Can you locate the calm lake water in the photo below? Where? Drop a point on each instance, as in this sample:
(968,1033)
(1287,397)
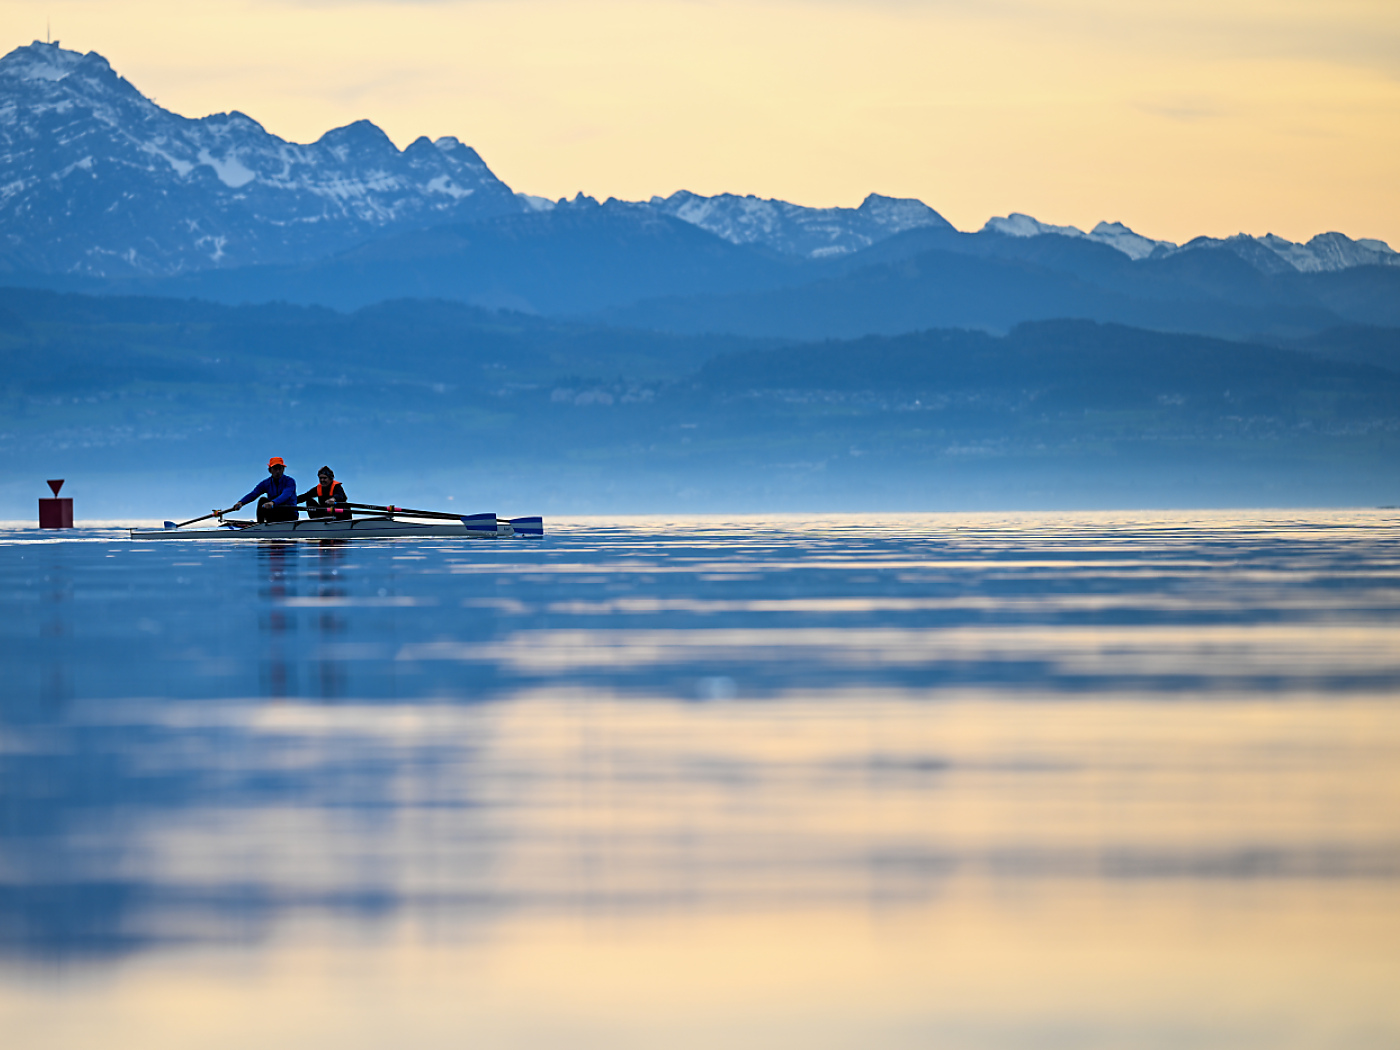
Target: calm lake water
(1094,780)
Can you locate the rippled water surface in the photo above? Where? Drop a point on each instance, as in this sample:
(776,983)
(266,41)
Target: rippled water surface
(1032,781)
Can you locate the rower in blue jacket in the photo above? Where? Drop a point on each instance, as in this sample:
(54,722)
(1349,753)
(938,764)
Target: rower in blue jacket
(276,495)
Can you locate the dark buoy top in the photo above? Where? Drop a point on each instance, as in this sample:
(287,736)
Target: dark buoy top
(56,485)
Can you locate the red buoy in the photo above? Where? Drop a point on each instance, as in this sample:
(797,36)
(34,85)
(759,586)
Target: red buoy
(55,513)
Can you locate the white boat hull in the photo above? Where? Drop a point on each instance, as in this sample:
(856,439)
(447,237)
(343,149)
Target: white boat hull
(354,529)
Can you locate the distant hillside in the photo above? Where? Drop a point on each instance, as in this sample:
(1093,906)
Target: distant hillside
(1360,344)
(570,416)
(996,283)
(1073,365)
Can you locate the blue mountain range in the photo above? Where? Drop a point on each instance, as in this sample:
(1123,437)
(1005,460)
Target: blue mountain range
(105,191)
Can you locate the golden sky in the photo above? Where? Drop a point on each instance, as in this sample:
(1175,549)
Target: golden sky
(1177,117)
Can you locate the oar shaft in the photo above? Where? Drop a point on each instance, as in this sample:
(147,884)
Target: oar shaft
(216,514)
(401,510)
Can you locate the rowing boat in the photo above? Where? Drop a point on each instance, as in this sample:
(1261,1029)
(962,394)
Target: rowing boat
(471,526)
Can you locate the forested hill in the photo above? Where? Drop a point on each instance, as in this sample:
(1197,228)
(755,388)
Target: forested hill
(1086,363)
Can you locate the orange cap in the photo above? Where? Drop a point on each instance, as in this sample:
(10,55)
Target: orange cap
(275,461)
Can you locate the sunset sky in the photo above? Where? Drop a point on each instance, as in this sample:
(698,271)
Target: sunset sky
(1177,117)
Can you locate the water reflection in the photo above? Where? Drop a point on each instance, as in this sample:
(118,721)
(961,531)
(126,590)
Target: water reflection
(55,632)
(1080,781)
(331,675)
(279,662)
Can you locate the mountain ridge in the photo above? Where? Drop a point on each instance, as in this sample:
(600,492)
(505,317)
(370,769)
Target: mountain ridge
(97,179)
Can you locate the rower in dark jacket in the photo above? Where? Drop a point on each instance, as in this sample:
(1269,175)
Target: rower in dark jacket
(276,495)
(321,502)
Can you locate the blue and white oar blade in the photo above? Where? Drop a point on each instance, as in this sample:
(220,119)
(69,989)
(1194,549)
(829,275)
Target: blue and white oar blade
(528,526)
(483,523)
(171,525)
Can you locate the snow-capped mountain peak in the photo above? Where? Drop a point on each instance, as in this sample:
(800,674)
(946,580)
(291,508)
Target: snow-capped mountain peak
(1326,251)
(1270,253)
(797,230)
(1114,234)
(534,203)
(95,178)
(1018,224)
(1375,245)
(1132,244)
(1337,251)
(44,61)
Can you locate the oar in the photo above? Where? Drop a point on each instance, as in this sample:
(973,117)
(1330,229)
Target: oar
(473,522)
(531,526)
(403,510)
(182,524)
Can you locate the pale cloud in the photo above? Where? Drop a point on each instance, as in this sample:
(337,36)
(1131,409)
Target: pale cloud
(1183,108)
(1178,117)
